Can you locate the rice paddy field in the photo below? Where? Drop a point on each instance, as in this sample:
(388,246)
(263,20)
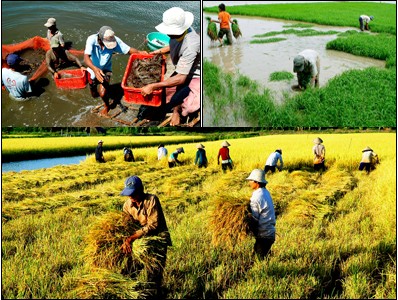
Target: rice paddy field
(336,230)
(359,98)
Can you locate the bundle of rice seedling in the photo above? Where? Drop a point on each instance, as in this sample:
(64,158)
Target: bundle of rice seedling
(211,30)
(106,237)
(229,221)
(235,29)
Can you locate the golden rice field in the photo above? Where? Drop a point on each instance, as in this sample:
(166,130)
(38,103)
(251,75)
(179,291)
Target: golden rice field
(336,231)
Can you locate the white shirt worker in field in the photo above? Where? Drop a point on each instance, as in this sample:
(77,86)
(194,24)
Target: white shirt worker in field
(364,22)
(272,162)
(162,152)
(307,66)
(369,160)
(319,154)
(262,221)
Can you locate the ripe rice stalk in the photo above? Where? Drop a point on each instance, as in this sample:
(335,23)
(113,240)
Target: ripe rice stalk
(106,237)
(211,30)
(235,29)
(229,222)
(105,284)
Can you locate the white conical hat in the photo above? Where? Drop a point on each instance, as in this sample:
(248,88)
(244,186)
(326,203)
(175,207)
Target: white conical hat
(318,141)
(225,144)
(257,175)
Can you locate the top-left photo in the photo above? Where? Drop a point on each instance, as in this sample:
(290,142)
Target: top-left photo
(101,64)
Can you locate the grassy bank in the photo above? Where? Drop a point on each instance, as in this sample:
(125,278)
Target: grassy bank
(336,233)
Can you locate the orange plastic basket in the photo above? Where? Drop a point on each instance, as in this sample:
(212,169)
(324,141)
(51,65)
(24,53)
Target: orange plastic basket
(134,95)
(71,79)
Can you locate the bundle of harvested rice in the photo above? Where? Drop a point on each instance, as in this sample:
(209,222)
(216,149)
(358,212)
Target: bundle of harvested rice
(106,237)
(235,29)
(229,221)
(211,29)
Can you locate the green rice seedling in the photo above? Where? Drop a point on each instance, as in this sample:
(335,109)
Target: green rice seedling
(266,41)
(235,29)
(305,32)
(282,75)
(299,25)
(211,30)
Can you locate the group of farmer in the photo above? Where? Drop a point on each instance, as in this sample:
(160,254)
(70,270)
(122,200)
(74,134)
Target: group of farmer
(306,64)
(183,86)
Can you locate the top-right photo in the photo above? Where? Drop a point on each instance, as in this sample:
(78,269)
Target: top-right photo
(285,64)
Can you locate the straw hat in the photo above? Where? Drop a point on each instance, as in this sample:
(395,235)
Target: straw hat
(225,144)
(367,149)
(318,141)
(200,146)
(257,175)
(100,142)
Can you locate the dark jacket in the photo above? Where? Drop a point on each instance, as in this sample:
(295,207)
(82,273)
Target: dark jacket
(98,154)
(201,159)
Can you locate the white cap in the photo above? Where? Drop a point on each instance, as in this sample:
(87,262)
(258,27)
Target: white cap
(50,22)
(107,36)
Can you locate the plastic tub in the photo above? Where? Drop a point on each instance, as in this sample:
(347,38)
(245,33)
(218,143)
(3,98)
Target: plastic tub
(132,94)
(71,79)
(157,40)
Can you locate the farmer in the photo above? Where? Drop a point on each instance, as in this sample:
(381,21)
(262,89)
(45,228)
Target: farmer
(54,33)
(98,59)
(262,216)
(224,19)
(146,209)
(99,156)
(173,159)
(128,154)
(16,84)
(369,160)
(307,67)
(272,162)
(162,151)
(201,159)
(226,161)
(184,51)
(319,154)
(364,22)
(58,55)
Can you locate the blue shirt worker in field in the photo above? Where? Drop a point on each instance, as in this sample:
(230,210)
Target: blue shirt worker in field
(200,158)
(272,162)
(16,84)
(146,209)
(307,66)
(98,59)
(369,160)
(364,22)
(173,158)
(162,152)
(262,214)
(184,48)
(319,152)
(99,156)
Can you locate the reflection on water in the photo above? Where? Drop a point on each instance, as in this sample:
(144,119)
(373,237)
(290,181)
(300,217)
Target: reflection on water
(35,164)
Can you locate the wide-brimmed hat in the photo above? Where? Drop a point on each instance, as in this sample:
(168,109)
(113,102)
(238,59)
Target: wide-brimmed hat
(180,150)
(367,149)
(257,175)
(100,142)
(132,185)
(298,63)
(13,59)
(175,21)
(371,17)
(107,36)
(225,144)
(50,22)
(200,146)
(317,141)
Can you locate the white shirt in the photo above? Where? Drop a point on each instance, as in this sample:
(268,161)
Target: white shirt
(273,159)
(162,152)
(368,156)
(17,84)
(311,56)
(263,210)
(365,18)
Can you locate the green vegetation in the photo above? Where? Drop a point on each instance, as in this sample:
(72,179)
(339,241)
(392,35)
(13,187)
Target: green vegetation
(336,232)
(265,41)
(299,25)
(305,32)
(283,75)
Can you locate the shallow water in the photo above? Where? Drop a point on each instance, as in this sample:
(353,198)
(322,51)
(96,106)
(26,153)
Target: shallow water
(36,164)
(131,21)
(258,61)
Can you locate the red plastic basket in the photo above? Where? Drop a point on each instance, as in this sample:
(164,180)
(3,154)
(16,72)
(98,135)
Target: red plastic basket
(76,79)
(132,94)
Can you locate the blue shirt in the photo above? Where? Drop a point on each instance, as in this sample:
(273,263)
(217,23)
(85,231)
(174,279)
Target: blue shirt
(263,211)
(102,58)
(17,84)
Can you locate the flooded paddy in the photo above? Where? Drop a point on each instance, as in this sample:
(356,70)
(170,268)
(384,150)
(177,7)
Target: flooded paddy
(259,61)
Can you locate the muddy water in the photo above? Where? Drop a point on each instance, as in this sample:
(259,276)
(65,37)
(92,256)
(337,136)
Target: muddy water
(258,61)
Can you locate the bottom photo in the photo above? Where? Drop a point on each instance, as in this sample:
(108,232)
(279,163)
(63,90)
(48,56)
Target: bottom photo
(194,213)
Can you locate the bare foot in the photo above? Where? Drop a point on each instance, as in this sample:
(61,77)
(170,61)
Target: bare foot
(105,111)
(175,119)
